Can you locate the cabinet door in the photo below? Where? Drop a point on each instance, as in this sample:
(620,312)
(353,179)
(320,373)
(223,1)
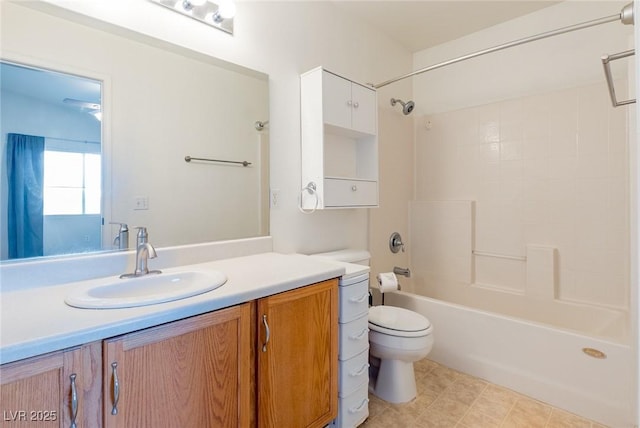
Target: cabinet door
(53,390)
(297,357)
(337,104)
(365,108)
(189,373)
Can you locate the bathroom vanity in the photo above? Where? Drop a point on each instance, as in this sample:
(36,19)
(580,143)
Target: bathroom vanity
(240,355)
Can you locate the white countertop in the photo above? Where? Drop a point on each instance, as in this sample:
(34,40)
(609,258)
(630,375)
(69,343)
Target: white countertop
(36,321)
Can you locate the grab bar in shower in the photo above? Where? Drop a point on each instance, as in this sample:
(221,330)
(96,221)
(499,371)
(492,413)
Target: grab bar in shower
(606,59)
(499,256)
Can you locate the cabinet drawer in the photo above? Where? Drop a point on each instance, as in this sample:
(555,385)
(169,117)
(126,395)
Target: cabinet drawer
(353,373)
(354,301)
(354,337)
(340,192)
(353,409)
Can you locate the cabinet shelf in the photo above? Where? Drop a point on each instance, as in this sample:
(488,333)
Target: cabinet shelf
(339,141)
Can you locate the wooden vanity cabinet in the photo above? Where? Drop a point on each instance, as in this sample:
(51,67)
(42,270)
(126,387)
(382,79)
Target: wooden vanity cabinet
(194,372)
(40,391)
(298,357)
(220,369)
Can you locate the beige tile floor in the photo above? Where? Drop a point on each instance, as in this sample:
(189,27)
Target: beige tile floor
(448,398)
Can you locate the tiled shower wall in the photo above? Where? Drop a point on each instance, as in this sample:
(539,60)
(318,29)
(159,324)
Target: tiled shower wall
(549,169)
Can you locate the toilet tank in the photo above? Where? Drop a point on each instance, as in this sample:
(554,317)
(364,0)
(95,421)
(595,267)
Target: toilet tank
(360,257)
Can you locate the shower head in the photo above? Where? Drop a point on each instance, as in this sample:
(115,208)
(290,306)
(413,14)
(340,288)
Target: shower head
(407,107)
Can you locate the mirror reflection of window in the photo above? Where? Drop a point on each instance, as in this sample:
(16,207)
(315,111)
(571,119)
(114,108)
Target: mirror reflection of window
(53,117)
(72,182)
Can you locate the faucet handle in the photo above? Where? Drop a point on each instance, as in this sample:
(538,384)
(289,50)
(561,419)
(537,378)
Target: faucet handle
(142,237)
(123,235)
(395,243)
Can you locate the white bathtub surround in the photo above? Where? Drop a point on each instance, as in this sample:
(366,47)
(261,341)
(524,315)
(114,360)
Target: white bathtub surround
(543,362)
(541,271)
(545,170)
(445,265)
(442,238)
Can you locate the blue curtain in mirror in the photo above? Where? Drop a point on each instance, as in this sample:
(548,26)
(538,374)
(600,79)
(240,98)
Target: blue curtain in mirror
(25,171)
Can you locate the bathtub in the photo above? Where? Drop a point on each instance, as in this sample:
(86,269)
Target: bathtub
(533,358)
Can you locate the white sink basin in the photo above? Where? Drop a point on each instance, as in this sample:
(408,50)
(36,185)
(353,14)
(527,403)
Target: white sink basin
(113,292)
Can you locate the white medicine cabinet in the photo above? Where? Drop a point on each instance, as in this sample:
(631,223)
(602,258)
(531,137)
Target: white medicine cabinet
(339,142)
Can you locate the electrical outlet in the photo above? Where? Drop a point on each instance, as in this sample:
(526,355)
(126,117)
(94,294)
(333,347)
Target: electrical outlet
(141,203)
(275,198)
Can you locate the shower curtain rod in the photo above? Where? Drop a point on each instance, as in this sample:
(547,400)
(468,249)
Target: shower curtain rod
(625,16)
(71,140)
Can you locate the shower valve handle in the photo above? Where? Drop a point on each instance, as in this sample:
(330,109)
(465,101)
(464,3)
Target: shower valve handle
(395,243)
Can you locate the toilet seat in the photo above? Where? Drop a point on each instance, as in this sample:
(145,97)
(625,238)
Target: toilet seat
(396,321)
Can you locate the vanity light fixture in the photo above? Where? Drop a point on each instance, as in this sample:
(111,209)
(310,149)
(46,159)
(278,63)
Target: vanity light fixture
(218,15)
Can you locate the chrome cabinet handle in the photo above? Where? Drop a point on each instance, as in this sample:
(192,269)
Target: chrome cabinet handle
(74,401)
(266,326)
(359,335)
(356,105)
(349,102)
(361,371)
(360,299)
(116,389)
(354,188)
(360,407)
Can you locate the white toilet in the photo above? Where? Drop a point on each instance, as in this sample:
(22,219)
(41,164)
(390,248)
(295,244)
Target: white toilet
(397,338)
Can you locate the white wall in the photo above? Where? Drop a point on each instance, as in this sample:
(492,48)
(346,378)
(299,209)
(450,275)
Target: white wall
(563,61)
(283,39)
(396,152)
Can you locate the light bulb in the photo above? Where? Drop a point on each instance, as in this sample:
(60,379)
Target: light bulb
(183,6)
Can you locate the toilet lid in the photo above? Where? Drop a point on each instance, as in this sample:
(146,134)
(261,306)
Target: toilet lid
(397,321)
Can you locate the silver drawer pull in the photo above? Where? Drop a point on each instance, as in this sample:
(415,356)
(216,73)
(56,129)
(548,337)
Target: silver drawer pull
(360,335)
(360,407)
(268,333)
(356,105)
(74,401)
(359,299)
(116,389)
(354,188)
(360,372)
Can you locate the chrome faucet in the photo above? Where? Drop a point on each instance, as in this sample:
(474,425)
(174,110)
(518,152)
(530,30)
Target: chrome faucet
(144,252)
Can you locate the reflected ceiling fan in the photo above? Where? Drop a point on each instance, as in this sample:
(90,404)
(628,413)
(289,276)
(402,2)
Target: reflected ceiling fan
(93,109)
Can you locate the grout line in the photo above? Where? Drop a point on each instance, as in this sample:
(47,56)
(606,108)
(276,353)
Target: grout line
(506,417)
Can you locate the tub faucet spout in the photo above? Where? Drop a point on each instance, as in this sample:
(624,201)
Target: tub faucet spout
(402,271)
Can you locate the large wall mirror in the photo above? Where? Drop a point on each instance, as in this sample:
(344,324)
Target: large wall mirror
(110,120)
